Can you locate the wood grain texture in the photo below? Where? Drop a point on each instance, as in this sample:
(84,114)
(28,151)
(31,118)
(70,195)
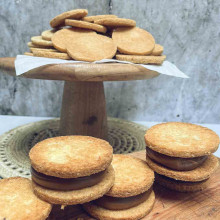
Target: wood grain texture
(169,205)
(82,71)
(84,110)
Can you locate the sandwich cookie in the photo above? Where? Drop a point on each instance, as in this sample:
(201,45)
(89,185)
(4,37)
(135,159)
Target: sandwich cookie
(133,41)
(71,170)
(131,196)
(181,155)
(19,202)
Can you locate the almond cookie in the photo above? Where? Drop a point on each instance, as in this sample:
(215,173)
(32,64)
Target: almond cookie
(71,170)
(19,202)
(97,17)
(134,41)
(116,22)
(49,54)
(91,48)
(131,196)
(158,50)
(28,54)
(38,40)
(86,25)
(47,35)
(141,59)
(64,37)
(31,45)
(59,20)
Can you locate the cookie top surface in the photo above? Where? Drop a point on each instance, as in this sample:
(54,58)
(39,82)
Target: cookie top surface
(97,17)
(116,22)
(180,139)
(158,50)
(38,40)
(59,20)
(198,174)
(47,35)
(71,156)
(64,37)
(132,176)
(133,41)
(19,202)
(91,48)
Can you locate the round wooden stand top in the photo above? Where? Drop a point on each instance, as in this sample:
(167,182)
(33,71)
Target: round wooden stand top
(82,71)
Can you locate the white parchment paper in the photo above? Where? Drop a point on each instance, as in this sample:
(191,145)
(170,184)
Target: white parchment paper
(25,63)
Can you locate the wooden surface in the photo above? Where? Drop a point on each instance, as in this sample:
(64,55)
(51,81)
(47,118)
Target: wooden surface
(84,110)
(169,205)
(82,72)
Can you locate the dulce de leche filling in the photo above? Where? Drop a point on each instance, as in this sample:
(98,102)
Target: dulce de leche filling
(63,184)
(116,203)
(175,163)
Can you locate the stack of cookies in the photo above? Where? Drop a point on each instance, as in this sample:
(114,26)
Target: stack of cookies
(92,38)
(181,155)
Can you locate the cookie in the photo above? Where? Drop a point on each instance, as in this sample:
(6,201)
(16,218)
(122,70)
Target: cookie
(86,25)
(158,50)
(181,186)
(38,40)
(32,49)
(116,22)
(133,41)
(64,37)
(158,60)
(47,35)
(59,20)
(28,54)
(178,139)
(136,212)
(19,202)
(51,54)
(200,173)
(97,17)
(31,45)
(91,48)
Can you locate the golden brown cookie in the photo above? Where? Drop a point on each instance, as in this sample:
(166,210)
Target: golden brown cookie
(38,40)
(31,45)
(133,41)
(19,202)
(91,48)
(180,139)
(97,17)
(158,50)
(59,20)
(50,54)
(86,25)
(181,186)
(28,54)
(132,176)
(200,173)
(71,156)
(158,60)
(136,212)
(47,35)
(65,37)
(82,195)
(116,22)
(43,49)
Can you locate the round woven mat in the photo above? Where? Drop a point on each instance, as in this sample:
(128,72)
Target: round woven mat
(124,136)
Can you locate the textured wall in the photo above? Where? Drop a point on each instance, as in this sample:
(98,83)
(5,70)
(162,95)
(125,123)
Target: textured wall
(189,31)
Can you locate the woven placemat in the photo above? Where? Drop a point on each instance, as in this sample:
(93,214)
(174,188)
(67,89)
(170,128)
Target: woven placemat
(124,136)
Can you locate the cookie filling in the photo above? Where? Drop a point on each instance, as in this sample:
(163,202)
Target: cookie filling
(116,203)
(63,184)
(176,163)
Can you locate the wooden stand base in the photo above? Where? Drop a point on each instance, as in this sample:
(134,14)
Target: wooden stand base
(84,110)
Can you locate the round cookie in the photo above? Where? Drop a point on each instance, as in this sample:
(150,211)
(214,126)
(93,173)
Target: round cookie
(43,49)
(91,48)
(133,41)
(71,156)
(97,17)
(136,212)
(80,196)
(19,202)
(132,176)
(28,54)
(64,37)
(59,20)
(51,54)
(158,50)
(86,25)
(116,22)
(38,40)
(47,35)
(200,173)
(31,45)
(180,139)
(158,60)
